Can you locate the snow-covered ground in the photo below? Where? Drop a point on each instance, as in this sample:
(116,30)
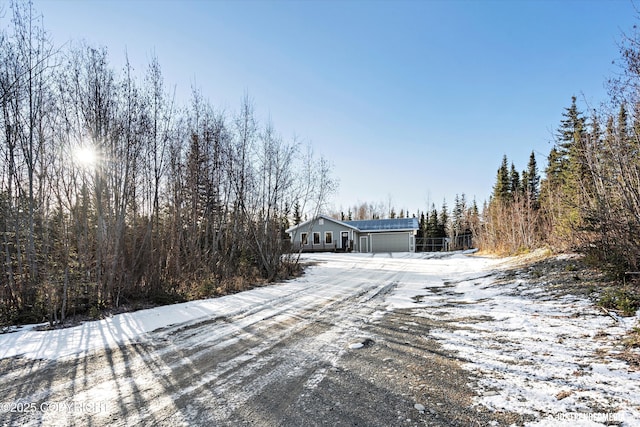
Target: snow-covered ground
(550,357)
(125,328)
(533,353)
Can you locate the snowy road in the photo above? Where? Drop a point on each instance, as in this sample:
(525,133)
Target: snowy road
(355,341)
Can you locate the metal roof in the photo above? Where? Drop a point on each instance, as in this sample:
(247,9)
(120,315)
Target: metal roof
(309,222)
(392,224)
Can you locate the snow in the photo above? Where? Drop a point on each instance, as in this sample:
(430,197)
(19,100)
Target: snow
(549,357)
(530,353)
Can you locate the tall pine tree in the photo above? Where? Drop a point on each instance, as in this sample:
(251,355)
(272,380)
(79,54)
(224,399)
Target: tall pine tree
(532,181)
(502,189)
(563,190)
(515,182)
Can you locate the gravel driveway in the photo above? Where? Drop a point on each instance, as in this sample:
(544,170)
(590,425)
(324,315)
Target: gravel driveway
(327,351)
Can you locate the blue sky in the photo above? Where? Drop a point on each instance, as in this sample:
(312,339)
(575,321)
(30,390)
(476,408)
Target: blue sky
(411,101)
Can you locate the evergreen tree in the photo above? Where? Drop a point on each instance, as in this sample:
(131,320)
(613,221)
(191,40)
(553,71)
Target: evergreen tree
(572,128)
(297,215)
(443,221)
(502,189)
(459,210)
(474,208)
(556,166)
(574,131)
(596,135)
(460,219)
(567,154)
(422,225)
(514,181)
(563,192)
(432,222)
(284,222)
(532,181)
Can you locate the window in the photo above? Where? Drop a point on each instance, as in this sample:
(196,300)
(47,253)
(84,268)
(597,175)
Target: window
(316,238)
(321,221)
(328,237)
(303,239)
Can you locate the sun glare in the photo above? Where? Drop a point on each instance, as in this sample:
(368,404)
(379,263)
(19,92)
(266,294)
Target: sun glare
(86,157)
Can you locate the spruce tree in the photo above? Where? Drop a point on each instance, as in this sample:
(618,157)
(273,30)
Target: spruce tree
(514,181)
(432,222)
(532,182)
(502,189)
(297,215)
(563,191)
(443,221)
(556,167)
(574,129)
(422,225)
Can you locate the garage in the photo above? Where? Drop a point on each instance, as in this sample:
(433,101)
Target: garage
(390,242)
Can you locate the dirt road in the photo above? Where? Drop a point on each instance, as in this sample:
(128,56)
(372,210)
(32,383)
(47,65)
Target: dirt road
(326,353)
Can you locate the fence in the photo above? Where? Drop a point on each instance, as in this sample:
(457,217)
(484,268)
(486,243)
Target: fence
(443,244)
(432,244)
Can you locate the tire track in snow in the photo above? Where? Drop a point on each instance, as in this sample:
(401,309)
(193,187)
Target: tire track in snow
(220,363)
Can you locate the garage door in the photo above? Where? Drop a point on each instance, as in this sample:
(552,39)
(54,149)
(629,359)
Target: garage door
(390,242)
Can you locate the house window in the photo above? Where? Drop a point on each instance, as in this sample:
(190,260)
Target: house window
(328,237)
(316,238)
(303,239)
(321,221)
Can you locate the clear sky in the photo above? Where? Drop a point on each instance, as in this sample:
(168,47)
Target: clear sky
(411,102)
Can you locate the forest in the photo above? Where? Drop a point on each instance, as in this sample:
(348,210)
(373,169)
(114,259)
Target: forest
(588,199)
(113,196)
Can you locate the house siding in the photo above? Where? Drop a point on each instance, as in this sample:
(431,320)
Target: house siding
(315,227)
(383,236)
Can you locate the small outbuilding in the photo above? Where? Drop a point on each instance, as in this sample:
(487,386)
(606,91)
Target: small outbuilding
(324,233)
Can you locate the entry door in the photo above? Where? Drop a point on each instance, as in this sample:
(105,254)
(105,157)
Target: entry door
(364,246)
(344,238)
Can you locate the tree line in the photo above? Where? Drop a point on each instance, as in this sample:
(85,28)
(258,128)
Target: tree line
(111,193)
(459,224)
(589,197)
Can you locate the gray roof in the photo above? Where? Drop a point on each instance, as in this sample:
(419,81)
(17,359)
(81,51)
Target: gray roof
(367,225)
(308,222)
(393,224)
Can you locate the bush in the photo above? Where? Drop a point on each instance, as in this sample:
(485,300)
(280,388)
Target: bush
(623,300)
(633,338)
